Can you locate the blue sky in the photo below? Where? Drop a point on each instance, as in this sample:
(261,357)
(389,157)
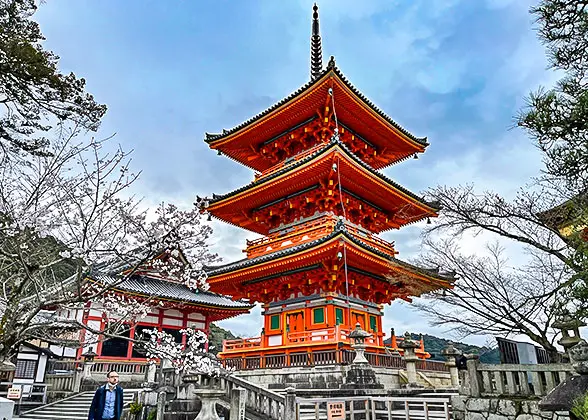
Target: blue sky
(456,71)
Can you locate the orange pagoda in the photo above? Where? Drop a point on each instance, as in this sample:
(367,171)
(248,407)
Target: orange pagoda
(319,201)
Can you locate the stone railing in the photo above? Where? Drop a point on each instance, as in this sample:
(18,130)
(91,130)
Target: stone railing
(258,399)
(54,366)
(128,368)
(377,408)
(243,395)
(61,382)
(512,380)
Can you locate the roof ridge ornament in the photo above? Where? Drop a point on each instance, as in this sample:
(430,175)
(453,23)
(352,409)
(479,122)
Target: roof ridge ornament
(316,49)
(331,64)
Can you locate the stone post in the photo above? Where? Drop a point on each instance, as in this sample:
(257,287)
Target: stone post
(472,362)
(77,380)
(150,374)
(410,357)
(359,354)
(290,404)
(88,356)
(210,394)
(160,406)
(450,353)
(87,372)
(237,404)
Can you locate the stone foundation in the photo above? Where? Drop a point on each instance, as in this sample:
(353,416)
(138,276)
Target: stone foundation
(470,408)
(331,377)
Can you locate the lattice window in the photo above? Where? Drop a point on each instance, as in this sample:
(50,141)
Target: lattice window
(25,369)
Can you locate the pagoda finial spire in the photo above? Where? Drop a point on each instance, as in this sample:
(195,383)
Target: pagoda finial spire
(316,49)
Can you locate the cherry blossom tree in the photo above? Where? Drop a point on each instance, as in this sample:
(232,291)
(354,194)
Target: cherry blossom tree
(68,212)
(189,358)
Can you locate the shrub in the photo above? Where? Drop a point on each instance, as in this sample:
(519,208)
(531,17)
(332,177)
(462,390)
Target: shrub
(135,408)
(580,408)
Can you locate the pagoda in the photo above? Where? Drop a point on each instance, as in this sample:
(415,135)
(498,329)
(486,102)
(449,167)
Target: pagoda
(319,201)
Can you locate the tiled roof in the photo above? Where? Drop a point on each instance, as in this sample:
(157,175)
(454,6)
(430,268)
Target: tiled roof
(298,163)
(210,137)
(339,229)
(162,288)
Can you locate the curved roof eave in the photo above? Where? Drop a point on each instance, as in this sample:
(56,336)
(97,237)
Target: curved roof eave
(339,230)
(296,164)
(211,138)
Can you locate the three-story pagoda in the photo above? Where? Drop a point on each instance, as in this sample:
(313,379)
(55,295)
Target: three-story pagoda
(319,201)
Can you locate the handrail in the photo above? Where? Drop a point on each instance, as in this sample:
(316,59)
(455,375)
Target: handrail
(311,230)
(372,407)
(256,388)
(513,379)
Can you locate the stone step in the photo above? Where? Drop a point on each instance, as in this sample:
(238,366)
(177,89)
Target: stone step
(73,408)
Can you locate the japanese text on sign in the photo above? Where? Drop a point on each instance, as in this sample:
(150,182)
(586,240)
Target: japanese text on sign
(336,410)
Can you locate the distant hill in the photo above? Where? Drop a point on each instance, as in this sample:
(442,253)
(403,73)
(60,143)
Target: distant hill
(433,345)
(216,337)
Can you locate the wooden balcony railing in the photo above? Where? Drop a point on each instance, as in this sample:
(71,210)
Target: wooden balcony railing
(431,365)
(326,357)
(372,239)
(313,229)
(328,335)
(306,232)
(241,344)
(289,161)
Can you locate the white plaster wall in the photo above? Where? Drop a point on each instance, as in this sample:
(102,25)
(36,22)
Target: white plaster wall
(41,366)
(197,316)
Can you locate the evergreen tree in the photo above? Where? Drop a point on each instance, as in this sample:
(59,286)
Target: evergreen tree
(35,96)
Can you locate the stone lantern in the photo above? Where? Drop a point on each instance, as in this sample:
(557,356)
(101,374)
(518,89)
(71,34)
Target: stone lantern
(88,362)
(579,356)
(570,330)
(360,374)
(358,335)
(451,353)
(409,345)
(563,396)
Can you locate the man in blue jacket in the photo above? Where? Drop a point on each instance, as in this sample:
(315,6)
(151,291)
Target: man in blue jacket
(108,400)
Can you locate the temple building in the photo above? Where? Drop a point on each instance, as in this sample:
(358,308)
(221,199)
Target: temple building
(319,200)
(172,306)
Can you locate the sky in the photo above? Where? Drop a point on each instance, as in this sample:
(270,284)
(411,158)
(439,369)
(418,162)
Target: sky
(456,71)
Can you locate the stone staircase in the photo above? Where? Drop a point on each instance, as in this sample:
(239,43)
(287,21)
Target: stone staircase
(71,408)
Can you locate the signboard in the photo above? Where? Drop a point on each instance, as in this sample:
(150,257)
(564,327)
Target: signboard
(14,393)
(336,410)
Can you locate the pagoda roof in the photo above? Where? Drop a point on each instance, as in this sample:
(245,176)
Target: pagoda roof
(136,275)
(378,128)
(165,289)
(339,232)
(289,168)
